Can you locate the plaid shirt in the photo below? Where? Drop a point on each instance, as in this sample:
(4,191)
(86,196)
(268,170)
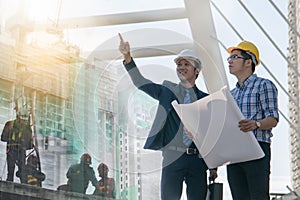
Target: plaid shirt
(257,99)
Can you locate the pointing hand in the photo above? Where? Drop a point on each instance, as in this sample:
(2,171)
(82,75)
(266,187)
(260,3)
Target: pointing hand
(124,47)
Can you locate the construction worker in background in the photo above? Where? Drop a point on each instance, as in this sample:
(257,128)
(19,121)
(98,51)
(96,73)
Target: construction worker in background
(107,185)
(257,99)
(30,173)
(18,135)
(79,175)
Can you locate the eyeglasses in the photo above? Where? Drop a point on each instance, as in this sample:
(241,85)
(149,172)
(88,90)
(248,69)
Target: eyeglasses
(234,57)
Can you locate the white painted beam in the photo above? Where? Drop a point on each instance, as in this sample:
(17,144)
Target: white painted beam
(202,27)
(139,52)
(118,19)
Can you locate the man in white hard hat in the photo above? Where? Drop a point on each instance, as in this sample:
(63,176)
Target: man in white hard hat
(17,134)
(257,100)
(181,159)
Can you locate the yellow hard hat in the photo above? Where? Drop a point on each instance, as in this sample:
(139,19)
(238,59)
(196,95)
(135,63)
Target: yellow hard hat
(248,47)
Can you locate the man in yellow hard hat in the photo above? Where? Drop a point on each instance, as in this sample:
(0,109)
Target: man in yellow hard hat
(258,101)
(182,162)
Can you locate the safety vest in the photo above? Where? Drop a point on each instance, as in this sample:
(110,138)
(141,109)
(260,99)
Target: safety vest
(15,136)
(106,189)
(20,136)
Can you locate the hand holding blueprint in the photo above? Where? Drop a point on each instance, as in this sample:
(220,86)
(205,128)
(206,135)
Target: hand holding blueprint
(213,121)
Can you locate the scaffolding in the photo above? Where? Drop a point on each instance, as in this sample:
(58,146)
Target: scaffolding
(293,81)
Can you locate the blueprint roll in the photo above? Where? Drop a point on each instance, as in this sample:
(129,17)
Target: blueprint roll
(213,121)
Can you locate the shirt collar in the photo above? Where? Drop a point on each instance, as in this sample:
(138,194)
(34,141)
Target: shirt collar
(247,81)
(190,89)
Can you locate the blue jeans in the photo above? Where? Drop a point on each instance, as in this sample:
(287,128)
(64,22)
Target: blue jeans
(189,169)
(250,180)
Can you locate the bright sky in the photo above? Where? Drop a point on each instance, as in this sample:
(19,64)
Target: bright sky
(89,38)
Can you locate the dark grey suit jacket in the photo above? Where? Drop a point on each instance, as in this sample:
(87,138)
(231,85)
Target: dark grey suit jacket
(167,127)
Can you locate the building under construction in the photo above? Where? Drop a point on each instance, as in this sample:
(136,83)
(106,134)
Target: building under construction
(81,104)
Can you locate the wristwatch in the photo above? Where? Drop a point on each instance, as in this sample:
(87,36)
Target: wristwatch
(258,124)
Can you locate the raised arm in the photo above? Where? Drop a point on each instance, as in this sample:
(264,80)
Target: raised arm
(124,48)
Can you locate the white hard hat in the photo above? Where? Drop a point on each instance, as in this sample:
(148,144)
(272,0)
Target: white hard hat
(189,55)
(23,114)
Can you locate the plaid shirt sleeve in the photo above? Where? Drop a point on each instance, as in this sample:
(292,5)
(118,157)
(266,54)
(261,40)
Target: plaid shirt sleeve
(268,98)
